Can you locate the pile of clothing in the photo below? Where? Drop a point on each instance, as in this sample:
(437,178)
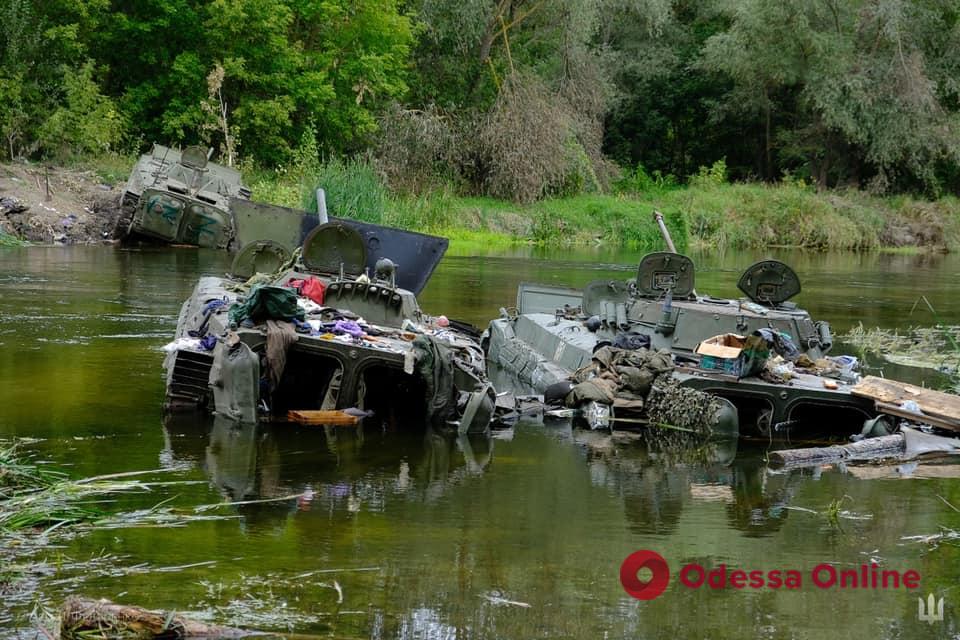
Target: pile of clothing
(619,377)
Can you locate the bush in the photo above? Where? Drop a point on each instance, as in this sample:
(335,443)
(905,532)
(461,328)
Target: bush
(533,143)
(638,181)
(416,149)
(712,176)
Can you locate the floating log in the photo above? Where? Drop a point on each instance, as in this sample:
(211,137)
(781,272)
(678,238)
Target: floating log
(940,406)
(304,416)
(884,446)
(85,619)
(906,445)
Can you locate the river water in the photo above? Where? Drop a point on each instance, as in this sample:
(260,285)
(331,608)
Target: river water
(406,534)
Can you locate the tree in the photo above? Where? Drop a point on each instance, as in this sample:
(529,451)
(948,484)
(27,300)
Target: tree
(855,79)
(88,122)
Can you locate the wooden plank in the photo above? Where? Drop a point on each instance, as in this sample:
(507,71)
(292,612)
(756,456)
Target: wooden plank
(308,416)
(893,392)
(900,412)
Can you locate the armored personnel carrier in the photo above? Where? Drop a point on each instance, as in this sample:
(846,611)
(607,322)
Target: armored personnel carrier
(554,332)
(180,197)
(321,315)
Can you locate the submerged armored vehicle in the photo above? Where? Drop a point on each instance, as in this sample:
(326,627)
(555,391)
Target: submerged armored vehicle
(320,316)
(554,332)
(180,197)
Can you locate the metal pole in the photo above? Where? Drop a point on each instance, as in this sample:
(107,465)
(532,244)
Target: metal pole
(322,206)
(663,231)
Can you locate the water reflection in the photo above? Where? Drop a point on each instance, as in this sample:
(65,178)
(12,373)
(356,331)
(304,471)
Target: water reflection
(656,478)
(429,537)
(331,468)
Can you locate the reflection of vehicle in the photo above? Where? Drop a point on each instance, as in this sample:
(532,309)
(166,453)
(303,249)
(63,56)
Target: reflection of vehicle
(249,462)
(332,325)
(180,197)
(556,331)
(658,478)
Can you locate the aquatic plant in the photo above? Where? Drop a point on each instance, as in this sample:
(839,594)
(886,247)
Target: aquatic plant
(936,347)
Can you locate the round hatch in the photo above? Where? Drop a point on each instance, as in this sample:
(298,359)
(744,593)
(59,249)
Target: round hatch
(331,245)
(262,256)
(769,282)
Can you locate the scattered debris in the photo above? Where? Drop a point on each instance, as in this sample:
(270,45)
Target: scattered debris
(80,209)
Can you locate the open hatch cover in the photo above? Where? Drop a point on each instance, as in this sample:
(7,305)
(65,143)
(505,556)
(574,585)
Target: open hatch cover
(415,254)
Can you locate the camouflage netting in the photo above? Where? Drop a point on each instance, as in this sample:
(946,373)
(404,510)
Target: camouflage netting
(638,380)
(669,403)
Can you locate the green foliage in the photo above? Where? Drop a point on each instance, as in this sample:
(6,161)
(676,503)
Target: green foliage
(88,122)
(866,85)
(755,216)
(13,116)
(638,181)
(520,99)
(712,176)
(527,90)
(433,212)
(7,240)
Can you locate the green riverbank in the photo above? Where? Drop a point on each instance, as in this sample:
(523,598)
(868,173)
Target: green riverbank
(707,213)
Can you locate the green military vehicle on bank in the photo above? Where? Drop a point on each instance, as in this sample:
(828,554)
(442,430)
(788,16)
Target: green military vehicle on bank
(180,197)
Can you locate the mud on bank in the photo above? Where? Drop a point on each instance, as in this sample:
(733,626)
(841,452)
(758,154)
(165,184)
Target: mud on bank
(52,205)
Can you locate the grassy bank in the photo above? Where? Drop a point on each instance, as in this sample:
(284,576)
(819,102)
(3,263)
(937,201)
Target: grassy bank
(710,212)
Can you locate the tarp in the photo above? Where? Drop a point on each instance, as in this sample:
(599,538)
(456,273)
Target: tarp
(267,303)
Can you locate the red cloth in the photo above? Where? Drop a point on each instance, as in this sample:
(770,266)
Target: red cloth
(311,287)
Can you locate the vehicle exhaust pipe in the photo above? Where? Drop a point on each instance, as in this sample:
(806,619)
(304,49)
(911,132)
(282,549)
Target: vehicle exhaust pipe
(322,206)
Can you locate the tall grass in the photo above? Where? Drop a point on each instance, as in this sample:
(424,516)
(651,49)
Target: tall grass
(353,190)
(708,212)
(34,497)
(7,240)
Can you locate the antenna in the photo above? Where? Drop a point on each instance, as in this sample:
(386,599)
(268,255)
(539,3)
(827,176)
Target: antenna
(163,160)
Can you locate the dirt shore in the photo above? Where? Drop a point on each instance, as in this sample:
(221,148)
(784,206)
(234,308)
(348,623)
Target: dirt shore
(56,205)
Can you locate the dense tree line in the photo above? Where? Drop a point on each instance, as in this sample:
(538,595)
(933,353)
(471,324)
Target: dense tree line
(513,98)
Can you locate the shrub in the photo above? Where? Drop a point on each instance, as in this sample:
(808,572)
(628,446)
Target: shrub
(416,149)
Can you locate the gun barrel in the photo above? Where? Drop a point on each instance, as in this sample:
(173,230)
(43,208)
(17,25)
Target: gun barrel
(663,231)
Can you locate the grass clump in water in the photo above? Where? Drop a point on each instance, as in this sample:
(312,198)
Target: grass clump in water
(7,240)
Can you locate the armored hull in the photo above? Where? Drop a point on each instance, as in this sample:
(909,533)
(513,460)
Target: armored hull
(320,334)
(554,332)
(179,197)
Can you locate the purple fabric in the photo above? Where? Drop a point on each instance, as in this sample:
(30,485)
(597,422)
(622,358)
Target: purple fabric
(348,326)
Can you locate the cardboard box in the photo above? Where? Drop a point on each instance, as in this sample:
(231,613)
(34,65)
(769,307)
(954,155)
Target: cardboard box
(720,353)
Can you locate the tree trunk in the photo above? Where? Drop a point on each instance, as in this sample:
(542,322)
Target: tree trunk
(884,446)
(85,618)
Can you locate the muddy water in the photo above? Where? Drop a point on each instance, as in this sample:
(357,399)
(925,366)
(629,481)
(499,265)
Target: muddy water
(406,534)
